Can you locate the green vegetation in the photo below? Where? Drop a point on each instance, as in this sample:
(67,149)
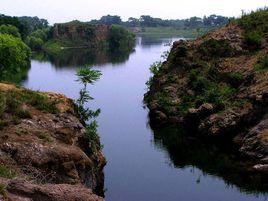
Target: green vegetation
(148,21)
(45,137)
(7,172)
(173,31)
(215,48)
(3,190)
(256,29)
(262,63)
(16,102)
(120,38)
(14,57)
(88,76)
(37,39)
(9,29)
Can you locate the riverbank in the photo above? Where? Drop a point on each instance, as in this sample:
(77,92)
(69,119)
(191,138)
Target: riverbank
(42,141)
(171,31)
(216,86)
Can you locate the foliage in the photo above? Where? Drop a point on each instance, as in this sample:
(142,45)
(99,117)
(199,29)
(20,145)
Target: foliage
(14,56)
(7,172)
(34,43)
(9,29)
(87,76)
(256,28)
(253,40)
(14,21)
(262,63)
(149,21)
(32,24)
(120,38)
(14,102)
(255,21)
(215,48)
(235,78)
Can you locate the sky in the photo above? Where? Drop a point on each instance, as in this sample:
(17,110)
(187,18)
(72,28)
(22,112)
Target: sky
(85,10)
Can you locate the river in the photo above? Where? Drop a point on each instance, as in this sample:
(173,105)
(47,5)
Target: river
(141,166)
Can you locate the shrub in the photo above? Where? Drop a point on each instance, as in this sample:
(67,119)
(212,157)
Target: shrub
(262,63)
(215,48)
(255,21)
(120,38)
(14,56)
(6,172)
(11,30)
(34,43)
(235,78)
(253,40)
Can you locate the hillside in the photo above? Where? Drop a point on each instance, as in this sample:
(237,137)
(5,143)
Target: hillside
(217,86)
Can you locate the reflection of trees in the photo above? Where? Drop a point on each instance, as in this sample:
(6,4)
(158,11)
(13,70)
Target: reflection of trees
(212,158)
(9,75)
(82,57)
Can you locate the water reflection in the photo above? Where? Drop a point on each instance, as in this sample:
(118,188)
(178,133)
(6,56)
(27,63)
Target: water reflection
(82,57)
(213,159)
(15,76)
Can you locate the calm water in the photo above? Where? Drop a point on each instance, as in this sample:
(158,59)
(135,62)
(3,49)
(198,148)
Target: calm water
(143,166)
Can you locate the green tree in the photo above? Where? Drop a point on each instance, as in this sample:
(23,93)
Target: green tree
(14,56)
(10,29)
(120,38)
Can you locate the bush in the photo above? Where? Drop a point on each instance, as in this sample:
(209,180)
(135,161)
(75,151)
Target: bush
(255,21)
(215,48)
(11,30)
(262,63)
(253,40)
(14,56)
(34,43)
(120,38)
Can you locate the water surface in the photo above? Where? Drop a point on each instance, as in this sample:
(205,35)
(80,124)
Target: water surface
(143,166)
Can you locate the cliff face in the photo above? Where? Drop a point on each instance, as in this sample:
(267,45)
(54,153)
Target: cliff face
(43,142)
(217,86)
(83,33)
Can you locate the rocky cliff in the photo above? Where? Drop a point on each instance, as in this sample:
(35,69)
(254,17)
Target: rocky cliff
(84,34)
(45,153)
(217,86)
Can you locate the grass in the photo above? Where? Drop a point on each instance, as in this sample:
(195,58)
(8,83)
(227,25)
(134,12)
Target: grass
(172,31)
(262,63)
(256,28)
(45,137)
(7,172)
(16,103)
(3,190)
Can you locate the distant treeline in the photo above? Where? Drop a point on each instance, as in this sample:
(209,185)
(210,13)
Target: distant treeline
(148,21)
(25,25)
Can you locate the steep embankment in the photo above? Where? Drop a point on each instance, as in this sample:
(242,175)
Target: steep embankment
(77,34)
(45,153)
(217,86)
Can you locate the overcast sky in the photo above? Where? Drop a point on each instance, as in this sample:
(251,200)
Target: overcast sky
(85,10)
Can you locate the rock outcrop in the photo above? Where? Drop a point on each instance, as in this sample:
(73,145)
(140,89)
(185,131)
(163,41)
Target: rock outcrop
(43,142)
(217,86)
(84,34)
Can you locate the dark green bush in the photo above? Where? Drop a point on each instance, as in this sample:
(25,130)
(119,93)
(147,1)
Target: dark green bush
(255,21)
(253,40)
(215,48)
(34,43)
(119,38)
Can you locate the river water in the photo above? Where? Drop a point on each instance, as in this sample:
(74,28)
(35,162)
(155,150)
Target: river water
(142,166)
